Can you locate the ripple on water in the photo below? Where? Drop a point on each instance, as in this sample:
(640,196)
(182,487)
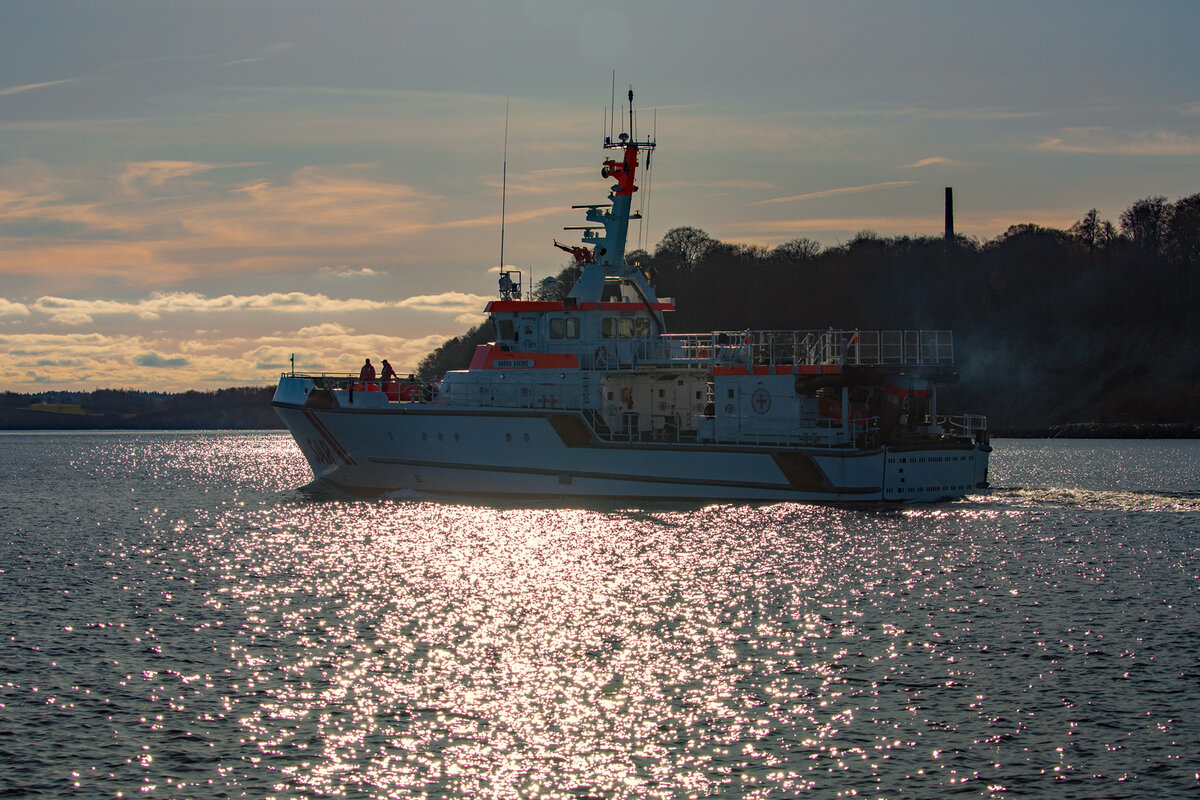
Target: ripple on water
(228,635)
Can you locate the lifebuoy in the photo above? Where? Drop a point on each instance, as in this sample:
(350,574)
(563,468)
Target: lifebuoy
(601,356)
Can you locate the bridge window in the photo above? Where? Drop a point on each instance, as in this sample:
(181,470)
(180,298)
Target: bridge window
(608,327)
(556,328)
(643,327)
(504,328)
(626,328)
(572,327)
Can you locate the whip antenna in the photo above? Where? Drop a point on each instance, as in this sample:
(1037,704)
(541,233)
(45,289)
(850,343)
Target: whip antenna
(504,183)
(613,105)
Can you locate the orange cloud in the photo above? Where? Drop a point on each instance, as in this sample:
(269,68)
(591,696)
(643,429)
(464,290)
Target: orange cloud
(70,311)
(871,187)
(156,223)
(1099,141)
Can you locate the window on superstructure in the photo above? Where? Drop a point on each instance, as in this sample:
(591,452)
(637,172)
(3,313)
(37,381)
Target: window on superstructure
(608,327)
(642,327)
(572,327)
(626,328)
(556,328)
(504,328)
(612,291)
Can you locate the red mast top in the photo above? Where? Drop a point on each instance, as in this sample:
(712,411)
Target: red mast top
(622,172)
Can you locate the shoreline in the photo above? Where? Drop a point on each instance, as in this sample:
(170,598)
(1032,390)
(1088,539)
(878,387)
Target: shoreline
(52,422)
(1103,430)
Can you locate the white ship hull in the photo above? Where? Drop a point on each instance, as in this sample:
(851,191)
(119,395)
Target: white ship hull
(546,454)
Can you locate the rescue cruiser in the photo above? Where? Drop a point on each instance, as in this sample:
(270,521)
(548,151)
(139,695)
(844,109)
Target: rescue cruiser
(590,397)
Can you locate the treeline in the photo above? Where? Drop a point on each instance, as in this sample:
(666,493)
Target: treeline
(1093,324)
(239,408)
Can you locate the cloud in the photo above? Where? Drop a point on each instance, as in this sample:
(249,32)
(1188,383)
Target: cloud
(70,317)
(328,329)
(447,302)
(832,192)
(29,87)
(1099,141)
(907,224)
(269,52)
(11,309)
(139,176)
(934,160)
(164,363)
(345,271)
(471,319)
(155,360)
(936,113)
(493,220)
(159,304)
(161,222)
(1189,109)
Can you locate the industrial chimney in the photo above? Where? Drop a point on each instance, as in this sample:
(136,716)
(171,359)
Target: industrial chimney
(949,214)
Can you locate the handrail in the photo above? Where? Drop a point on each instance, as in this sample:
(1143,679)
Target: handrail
(828,348)
(411,390)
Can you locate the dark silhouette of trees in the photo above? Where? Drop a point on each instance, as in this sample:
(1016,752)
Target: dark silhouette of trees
(683,248)
(457,352)
(1184,231)
(243,408)
(1145,223)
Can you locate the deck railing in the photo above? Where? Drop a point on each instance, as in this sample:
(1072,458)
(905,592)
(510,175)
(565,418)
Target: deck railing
(802,348)
(412,390)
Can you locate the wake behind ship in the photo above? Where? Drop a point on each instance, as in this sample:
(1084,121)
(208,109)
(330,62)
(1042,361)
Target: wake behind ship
(591,397)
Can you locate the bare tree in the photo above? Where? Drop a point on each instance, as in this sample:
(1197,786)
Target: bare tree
(1145,223)
(684,247)
(802,249)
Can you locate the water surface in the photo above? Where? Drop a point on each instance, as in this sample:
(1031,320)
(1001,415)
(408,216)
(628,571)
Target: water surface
(182,620)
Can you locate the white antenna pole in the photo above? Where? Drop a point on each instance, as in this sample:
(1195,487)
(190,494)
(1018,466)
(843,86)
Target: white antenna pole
(644,225)
(613,106)
(504,184)
(632,137)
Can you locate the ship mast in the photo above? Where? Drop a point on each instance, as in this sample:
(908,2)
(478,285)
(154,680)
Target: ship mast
(603,257)
(609,250)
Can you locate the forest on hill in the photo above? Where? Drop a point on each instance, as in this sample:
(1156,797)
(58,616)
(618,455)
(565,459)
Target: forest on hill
(1056,331)
(241,408)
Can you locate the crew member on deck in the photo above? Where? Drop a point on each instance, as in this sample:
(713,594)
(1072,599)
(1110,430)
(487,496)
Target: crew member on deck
(367,373)
(388,373)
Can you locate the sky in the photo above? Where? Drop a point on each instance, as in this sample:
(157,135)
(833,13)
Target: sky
(192,192)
